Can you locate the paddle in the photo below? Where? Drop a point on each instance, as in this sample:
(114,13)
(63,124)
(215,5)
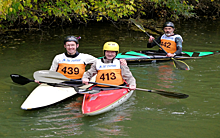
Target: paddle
(22,81)
(55,77)
(177,63)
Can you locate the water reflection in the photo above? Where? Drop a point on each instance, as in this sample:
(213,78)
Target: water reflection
(62,121)
(108,124)
(166,75)
(141,116)
(68,120)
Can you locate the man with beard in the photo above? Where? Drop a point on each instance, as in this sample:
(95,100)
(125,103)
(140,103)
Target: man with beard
(170,42)
(72,64)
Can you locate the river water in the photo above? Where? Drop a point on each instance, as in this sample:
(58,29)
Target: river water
(143,115)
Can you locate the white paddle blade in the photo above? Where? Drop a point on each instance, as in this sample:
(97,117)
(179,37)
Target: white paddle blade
(49,76)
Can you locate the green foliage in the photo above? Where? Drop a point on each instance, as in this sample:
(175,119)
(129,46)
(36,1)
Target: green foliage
(30,11)
(174,8)
(38,11)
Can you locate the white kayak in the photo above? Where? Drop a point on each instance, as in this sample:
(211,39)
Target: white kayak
(45,95)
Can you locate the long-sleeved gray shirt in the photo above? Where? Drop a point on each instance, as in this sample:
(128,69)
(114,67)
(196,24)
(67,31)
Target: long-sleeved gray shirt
(125,72)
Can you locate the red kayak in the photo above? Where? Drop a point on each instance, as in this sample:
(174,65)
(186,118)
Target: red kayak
(94,104)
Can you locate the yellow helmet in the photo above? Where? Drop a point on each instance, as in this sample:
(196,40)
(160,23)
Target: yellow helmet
(111,46)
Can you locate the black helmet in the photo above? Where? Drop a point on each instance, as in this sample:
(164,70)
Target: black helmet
(168,24)
(71,38)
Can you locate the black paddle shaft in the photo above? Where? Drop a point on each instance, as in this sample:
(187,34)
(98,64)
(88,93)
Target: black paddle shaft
(164,93)
(56,77)
(156,43)
(177,64)
(22,81)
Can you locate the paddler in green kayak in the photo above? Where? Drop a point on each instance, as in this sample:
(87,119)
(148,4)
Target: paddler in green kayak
(170,42)
(109,70)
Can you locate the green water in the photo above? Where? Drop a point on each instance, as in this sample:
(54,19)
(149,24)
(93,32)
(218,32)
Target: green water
(143,115)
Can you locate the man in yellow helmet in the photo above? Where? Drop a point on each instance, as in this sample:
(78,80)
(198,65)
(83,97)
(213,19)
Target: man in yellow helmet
(72,63)
(109,70)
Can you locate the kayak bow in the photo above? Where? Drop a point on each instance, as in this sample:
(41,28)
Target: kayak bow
(106,100)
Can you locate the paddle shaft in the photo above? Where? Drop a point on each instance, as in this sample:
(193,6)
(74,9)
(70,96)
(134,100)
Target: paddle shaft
(23,80)
(155,42)
(107,84)
(120,86)
(142,28)
(56,77)
(177,95)
(178,64)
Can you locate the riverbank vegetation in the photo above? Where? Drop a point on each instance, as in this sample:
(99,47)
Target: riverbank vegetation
(16,14)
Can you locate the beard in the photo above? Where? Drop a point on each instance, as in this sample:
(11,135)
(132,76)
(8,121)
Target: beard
(168,33)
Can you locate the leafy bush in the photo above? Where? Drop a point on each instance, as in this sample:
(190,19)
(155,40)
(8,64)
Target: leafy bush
(37,12)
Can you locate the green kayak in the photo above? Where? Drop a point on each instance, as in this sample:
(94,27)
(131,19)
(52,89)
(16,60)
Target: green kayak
(149,56)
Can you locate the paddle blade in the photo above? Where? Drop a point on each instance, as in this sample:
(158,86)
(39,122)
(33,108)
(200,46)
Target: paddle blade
(20,79)
(166,93)
(140,26)
(180,64)
(171,94)
(49,76)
